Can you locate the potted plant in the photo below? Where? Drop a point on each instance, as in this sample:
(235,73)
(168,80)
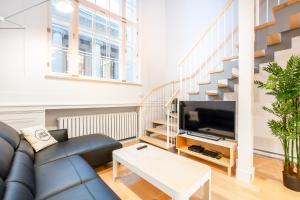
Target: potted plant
(284,85)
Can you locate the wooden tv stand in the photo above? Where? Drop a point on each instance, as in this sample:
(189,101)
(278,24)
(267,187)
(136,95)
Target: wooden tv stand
(226,147)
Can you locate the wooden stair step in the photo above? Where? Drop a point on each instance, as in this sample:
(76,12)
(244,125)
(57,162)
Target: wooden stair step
(259,53)
(295,21)
(223,83)
(216,71)
(163,122)
(273,39)
(161,132)
(204,82)
(194,93)
(234,73)
(212,93)
(157,142)
(230,58)
(264,25)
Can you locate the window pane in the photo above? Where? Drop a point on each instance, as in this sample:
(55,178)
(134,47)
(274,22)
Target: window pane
(101,48)
(85,55)
(131,54)
(131,36)
(59,60)
(60,36)
(85,18)
(101,24)
(115,29)
(131,70)
(114,58)
(100,57)
(115,6)
(60,45)
(131,10)
(114,51)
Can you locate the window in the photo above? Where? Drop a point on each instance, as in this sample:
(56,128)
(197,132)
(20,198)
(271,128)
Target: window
(98,40)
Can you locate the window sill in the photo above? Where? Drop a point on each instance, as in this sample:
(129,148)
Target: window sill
(88,79)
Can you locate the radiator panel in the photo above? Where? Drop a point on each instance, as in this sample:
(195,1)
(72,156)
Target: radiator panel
(119,126)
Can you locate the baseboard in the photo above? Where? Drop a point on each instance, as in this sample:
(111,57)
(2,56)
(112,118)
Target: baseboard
(269,154)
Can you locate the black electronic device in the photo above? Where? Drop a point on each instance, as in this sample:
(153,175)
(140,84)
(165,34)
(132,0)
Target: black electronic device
(213,120)
(141,147)
(196,148)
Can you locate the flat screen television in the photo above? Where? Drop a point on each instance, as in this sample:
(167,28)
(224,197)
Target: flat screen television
(215,118)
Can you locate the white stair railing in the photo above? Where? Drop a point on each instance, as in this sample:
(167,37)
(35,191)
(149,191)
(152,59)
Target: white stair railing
(153,107)
(172,122)
(219,42)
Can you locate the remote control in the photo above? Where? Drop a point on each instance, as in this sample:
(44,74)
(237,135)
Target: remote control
(141,147)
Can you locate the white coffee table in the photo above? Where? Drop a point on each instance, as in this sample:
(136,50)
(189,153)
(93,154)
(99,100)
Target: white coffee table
(177,176)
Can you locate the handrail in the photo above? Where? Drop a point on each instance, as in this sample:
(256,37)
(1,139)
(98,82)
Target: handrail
(169,102)
(157,88)
(210,57)
(214,22)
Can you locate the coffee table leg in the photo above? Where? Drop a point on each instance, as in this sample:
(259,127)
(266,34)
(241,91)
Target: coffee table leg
(115,169)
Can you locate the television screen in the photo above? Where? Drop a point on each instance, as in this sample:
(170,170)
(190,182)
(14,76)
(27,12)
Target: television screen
(209,117)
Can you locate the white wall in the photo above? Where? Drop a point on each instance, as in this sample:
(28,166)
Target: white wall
(23,58)
(153,42)
(186,21)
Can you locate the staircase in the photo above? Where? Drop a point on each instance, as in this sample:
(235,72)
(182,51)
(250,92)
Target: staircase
(158,117)
(270,37)
(210,70)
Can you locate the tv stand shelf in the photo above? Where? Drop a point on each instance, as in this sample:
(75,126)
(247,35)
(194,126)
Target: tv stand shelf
(226,147)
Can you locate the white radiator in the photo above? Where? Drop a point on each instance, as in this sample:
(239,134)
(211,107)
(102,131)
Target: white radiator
(119,126)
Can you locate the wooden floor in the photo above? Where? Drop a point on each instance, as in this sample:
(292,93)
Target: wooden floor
(267,184)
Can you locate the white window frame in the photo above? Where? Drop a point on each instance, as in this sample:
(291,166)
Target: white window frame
(73,71)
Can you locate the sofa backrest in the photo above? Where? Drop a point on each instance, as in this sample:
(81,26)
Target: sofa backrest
(10,135)
(1,188)
(17,179)
(7,153)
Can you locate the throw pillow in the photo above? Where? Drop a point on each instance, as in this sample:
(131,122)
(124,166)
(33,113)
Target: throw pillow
(38,137)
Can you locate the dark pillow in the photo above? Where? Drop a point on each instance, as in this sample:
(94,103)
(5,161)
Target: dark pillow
(10,135)
(61,135)
(6,156)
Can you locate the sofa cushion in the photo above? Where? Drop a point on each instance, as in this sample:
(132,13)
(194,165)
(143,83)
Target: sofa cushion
(49,154)
(26,148)
(6,156)
(95,189)
(62,174)
(16,191)
(96,149)
(22,171)
(10,135)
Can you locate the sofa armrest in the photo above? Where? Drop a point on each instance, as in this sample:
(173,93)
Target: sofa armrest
(61,135)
